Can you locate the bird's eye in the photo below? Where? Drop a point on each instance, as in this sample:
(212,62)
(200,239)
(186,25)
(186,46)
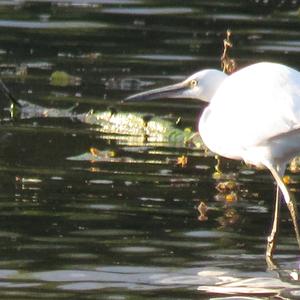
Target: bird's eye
(193,83)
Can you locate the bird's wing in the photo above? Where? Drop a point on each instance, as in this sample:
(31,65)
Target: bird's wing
(293,133)
(283,146)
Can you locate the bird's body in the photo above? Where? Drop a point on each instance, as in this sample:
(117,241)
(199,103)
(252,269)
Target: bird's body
(252,115)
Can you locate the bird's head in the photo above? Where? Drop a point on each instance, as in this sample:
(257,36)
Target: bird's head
(201,85)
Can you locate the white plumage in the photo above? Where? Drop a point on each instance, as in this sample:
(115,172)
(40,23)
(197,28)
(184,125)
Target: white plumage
(252,112)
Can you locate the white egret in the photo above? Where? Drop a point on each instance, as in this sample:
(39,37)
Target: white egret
(252,115)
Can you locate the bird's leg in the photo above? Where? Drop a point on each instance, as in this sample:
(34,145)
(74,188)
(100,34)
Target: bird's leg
(272,238)
(287,197)
(293,212)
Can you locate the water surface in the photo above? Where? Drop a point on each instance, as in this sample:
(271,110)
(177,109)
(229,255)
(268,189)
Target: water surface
(91,212)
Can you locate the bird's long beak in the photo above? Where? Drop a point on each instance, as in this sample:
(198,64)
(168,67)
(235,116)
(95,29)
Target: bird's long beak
(171,91)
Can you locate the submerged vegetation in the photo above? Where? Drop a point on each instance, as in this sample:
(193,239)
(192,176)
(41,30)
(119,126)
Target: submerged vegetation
(137,124)
(151,128)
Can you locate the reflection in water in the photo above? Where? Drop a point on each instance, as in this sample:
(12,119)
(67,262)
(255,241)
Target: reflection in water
(222,282)
(202,208)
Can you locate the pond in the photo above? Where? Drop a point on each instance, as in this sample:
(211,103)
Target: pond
(102,199)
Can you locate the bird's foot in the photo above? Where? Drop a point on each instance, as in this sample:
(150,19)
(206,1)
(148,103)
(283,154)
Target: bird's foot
(271,263)
(269,252)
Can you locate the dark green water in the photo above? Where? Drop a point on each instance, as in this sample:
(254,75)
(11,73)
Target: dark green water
(124,223)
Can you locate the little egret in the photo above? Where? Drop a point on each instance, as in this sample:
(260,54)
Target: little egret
(252,115)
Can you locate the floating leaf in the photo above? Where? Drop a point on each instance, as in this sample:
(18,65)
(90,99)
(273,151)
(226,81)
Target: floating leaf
(61,78)
(182,161)
(231,197)
(226,186)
